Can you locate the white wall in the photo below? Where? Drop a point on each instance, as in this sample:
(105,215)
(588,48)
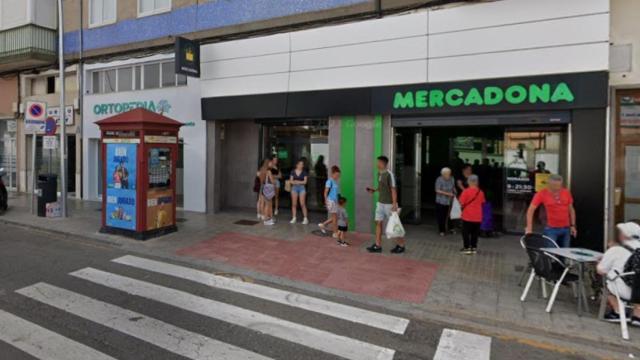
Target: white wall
(185,107)
(497,39)
(14,13)
(625,31)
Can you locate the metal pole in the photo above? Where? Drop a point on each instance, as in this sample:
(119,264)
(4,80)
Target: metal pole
(63,125)
(33,172)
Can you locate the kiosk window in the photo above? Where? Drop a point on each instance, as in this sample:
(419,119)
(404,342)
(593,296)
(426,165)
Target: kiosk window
(159,167)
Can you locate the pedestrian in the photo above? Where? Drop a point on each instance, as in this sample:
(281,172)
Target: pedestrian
(462,182)
(445,192)
(257,188)
(387,204)
(471,201)
(320,170)
(613,263)
(298,180)
(343,221)
(267,192)
(561,215)
(331,193)
(277,177)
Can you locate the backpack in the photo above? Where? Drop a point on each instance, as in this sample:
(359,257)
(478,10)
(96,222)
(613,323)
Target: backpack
(268,190)
(632,265)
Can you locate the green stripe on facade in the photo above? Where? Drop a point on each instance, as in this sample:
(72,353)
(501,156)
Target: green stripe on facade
(348,165)
(377,151)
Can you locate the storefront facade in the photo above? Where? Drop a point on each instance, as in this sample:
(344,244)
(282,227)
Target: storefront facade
(9,129)
(412,85)
(150,82)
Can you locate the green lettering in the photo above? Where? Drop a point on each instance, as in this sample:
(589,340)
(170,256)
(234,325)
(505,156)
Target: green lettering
(104,108)
(562,93)
(454,97)
(152,106)
(539,93)
(96,109)
(436,98)
(493,95)
(421,98)
(403,101)
(515,94)
(473,98)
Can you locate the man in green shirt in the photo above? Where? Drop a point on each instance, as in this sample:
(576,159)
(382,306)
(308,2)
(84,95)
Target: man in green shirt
(386,205)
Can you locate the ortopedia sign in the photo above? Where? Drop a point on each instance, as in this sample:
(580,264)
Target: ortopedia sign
(161,106)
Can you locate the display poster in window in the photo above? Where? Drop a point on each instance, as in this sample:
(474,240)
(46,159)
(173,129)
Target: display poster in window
(541,181)
(159,209)
(630,111)
(518,179)
(121,186)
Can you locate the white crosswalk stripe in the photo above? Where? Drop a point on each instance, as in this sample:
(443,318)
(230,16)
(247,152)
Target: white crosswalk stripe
(460,345)
(314,338)
(373,319)
(41,343)
(156,332)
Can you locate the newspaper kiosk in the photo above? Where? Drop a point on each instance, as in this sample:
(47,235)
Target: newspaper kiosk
(139,156)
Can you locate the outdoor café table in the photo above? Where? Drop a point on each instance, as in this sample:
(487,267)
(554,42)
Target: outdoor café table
(577,257)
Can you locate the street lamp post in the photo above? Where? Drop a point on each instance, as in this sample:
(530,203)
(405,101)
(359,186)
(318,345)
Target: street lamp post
(63,125)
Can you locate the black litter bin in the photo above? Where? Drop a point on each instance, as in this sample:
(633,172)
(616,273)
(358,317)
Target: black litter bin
(48,186)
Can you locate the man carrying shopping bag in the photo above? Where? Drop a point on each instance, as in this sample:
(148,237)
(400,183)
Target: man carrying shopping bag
(387,207)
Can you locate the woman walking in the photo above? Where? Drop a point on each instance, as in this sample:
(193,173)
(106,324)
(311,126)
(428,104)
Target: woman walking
(298,180)
(267,191)
(471,201)
(445,192)
(277,178)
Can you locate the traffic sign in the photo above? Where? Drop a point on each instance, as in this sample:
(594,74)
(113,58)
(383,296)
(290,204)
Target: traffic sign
(34,116)
(54,112)
(50,126)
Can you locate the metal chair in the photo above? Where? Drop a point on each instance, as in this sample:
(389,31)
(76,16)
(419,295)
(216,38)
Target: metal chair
(539,241)
(545,266)
(623,304)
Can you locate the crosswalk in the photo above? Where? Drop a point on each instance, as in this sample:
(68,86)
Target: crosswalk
(42,343)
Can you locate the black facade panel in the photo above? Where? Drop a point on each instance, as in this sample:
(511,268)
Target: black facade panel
(329,103)
(245,107)
(588,157)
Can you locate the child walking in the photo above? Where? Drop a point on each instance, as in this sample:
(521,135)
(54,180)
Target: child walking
(331,191)
(343,221)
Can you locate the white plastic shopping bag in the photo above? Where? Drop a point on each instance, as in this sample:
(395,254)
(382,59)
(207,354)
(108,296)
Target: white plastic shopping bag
(394,226)
(456,210)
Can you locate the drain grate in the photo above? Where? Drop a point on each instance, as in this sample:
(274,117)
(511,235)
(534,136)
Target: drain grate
(246,222)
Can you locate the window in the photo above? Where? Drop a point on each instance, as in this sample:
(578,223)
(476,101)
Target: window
(51,85)
(150,7)
(135,77)
(102,12)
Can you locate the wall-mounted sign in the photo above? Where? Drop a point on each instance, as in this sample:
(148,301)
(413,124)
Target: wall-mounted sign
(12,126)
(161,107)
(69,113)
(34,116)
(121,186)
(187,57)
(630,111)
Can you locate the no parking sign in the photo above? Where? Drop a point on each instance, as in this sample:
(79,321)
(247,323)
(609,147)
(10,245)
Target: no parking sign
(34,116)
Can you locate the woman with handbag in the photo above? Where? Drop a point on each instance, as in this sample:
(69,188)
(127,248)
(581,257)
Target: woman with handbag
(267,192)
(471,201)
(445,192)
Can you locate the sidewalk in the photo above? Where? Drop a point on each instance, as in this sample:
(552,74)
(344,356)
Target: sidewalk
(431,279)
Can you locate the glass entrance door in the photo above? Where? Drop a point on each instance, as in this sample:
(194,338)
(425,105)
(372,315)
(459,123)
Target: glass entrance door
(529,158)
(627,162)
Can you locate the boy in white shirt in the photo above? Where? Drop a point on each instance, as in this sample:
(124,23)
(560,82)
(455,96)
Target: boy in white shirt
(614,259)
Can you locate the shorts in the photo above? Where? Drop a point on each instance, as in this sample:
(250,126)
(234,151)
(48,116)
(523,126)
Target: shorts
(383,211)
(343,228)
(332,207)
(298,189)
(621,288)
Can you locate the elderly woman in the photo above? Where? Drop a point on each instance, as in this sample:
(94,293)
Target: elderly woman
(471,201)
(445,192)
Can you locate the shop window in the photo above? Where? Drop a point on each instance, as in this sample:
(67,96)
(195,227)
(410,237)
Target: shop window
(51,85)
(168,74)
(110,81)
(96,82)
(125,79)
(137,82)
(151,76)
(150,7)
(102,12)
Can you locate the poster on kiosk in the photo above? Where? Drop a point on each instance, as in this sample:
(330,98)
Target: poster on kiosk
(121,185)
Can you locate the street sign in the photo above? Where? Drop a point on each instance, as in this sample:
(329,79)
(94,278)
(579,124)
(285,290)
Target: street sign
(50,126)
(187,57)
(54,112)
(49,142)
(34,116)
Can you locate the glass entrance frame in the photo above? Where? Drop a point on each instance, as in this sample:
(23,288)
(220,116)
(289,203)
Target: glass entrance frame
(626,199)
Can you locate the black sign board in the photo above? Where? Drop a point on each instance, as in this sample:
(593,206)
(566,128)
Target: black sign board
(187,57)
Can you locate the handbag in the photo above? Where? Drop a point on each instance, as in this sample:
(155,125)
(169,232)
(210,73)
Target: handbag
(268,190)
(287,186)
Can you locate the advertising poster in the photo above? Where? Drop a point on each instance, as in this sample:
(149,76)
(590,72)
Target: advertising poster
(121,186)
(159,209)
(541,181)
(630,111)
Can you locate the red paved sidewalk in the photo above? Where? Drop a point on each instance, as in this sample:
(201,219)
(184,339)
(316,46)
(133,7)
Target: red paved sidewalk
(319,260)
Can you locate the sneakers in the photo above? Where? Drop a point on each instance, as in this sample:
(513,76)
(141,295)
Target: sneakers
(269,222)
(612,317)
(293,220)
(398,249)
(474,250)
(305,221)
(374,249)
(344,244)
(275,213)
(466,251)
(322,228)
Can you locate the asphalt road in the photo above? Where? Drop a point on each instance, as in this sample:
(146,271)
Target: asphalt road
(68,299)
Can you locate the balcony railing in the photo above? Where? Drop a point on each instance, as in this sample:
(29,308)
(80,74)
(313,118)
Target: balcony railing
(28,42)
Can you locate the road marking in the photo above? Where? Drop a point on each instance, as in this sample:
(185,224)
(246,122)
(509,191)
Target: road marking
(350,313)
(304,335)
(41,343)
(156,332)
(460,345)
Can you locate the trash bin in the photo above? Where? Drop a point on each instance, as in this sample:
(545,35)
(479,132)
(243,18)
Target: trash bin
(48,186)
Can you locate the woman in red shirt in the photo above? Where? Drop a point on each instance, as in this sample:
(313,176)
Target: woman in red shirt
(471,201)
